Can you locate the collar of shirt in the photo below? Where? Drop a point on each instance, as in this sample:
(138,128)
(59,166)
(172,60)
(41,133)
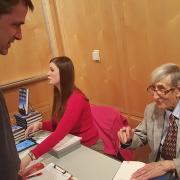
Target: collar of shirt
(176,112)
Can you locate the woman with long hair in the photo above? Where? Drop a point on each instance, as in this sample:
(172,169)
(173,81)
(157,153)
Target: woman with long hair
(71,111)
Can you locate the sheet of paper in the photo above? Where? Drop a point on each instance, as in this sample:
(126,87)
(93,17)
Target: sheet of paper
(126,169)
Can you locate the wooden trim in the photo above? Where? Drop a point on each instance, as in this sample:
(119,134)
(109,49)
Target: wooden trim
(50,27)
(23,82)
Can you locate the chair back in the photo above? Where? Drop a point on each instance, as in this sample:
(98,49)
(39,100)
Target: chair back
(108,121)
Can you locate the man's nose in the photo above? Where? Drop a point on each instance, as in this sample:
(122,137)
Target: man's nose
(48,73)
(155,95)
(18,35)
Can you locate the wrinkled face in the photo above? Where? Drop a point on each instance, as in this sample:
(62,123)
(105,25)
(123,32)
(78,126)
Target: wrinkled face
(10,27)
(169,99)
(53,75)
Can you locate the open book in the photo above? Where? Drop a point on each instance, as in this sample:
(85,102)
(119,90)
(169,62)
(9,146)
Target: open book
(126,169)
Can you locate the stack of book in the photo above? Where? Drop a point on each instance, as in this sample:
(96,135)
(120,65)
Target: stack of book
(68,144)
(26,120)
(18,133)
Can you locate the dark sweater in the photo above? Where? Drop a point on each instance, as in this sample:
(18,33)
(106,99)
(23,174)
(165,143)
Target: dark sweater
(9,159)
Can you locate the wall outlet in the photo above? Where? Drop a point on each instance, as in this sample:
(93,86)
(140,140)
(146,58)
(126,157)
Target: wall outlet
(95,55)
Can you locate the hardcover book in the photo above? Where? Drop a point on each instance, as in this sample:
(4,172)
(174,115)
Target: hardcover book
(16,129)
(26,120)
(31,120)
(23,101)
(19,136)
(68,144)
(29,116)
(18,139)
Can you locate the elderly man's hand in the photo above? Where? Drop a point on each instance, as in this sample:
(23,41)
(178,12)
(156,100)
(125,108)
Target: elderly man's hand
(153,169)
(125,134)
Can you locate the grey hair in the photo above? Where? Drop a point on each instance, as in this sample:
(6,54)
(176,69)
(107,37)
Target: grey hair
(164,70)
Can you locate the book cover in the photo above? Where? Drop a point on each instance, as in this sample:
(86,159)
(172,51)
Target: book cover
(23,101)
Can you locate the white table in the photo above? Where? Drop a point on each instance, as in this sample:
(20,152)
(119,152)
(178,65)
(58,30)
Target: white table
(87,164)
(83,163)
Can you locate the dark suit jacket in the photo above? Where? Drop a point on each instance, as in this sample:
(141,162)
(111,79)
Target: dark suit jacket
(151,129)
(9,159)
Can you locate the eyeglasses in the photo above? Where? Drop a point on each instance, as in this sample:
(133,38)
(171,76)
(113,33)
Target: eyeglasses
(161,91)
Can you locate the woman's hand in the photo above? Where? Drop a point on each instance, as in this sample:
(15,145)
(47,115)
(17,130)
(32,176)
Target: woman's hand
(34,127)
(125,134)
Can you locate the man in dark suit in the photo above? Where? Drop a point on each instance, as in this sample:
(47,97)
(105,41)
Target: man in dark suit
(160,127)
(12,16)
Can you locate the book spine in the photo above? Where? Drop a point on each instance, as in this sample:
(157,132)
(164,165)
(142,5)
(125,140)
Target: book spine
(19,132)
(28,119)
(31,121)
(20,135)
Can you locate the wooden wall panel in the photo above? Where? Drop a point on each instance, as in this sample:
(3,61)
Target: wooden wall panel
(133,37)
(150,41)
(88,25)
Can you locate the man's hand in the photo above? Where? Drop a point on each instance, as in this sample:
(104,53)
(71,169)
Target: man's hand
(153,169)
(125,134)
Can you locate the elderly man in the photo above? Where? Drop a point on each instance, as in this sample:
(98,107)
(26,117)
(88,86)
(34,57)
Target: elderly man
(160,127)
(12,16)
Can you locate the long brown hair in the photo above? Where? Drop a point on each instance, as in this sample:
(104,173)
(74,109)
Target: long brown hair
(61,95)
